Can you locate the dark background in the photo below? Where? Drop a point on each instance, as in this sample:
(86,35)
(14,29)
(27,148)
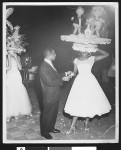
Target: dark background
(43,26)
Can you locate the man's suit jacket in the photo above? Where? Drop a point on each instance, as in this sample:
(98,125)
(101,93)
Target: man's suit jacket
(50,81)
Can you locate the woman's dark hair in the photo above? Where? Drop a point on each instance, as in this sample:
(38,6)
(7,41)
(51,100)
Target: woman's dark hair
(80,52)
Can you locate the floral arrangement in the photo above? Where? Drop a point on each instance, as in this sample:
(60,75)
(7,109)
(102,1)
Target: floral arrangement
(26,62)
(14,41)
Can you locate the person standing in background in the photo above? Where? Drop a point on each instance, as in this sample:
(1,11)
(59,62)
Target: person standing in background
(17,98)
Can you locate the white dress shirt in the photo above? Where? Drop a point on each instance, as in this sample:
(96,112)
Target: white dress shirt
(50,63)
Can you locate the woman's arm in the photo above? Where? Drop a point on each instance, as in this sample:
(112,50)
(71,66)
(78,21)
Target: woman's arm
(8,62)
(18,61)
(104,55)
(18,57)
(75,69)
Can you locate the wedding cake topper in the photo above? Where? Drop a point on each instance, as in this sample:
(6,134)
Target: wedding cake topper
(89,40)
(79,12)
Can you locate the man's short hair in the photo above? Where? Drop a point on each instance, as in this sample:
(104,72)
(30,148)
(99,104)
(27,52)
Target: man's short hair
(47,51)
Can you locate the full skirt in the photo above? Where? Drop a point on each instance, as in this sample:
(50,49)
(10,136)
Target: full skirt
(86,98)
(17,98)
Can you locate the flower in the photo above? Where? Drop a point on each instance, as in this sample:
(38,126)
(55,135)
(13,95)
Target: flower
(14,41)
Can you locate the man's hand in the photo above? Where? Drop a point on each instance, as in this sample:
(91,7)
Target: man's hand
(71,75)
(66,78)
(68,73)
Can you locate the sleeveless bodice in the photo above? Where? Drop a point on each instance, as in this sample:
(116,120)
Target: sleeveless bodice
(84,67)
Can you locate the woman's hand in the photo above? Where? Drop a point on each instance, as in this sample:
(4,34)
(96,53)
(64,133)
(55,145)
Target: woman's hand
(66,78)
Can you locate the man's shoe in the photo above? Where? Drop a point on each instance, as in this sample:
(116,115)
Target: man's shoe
(55,131)
(47,136)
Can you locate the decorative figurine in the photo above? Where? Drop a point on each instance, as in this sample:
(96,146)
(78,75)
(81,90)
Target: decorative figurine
(77,27)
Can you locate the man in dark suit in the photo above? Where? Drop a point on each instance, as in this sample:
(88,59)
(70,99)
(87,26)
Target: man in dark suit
(51,82)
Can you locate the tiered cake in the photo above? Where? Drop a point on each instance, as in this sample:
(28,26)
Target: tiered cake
(89,40)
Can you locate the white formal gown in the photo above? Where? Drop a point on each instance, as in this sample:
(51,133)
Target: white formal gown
(17,99)
(86,97)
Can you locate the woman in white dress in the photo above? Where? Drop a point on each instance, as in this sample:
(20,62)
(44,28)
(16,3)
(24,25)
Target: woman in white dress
(17,99)
(86,98)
